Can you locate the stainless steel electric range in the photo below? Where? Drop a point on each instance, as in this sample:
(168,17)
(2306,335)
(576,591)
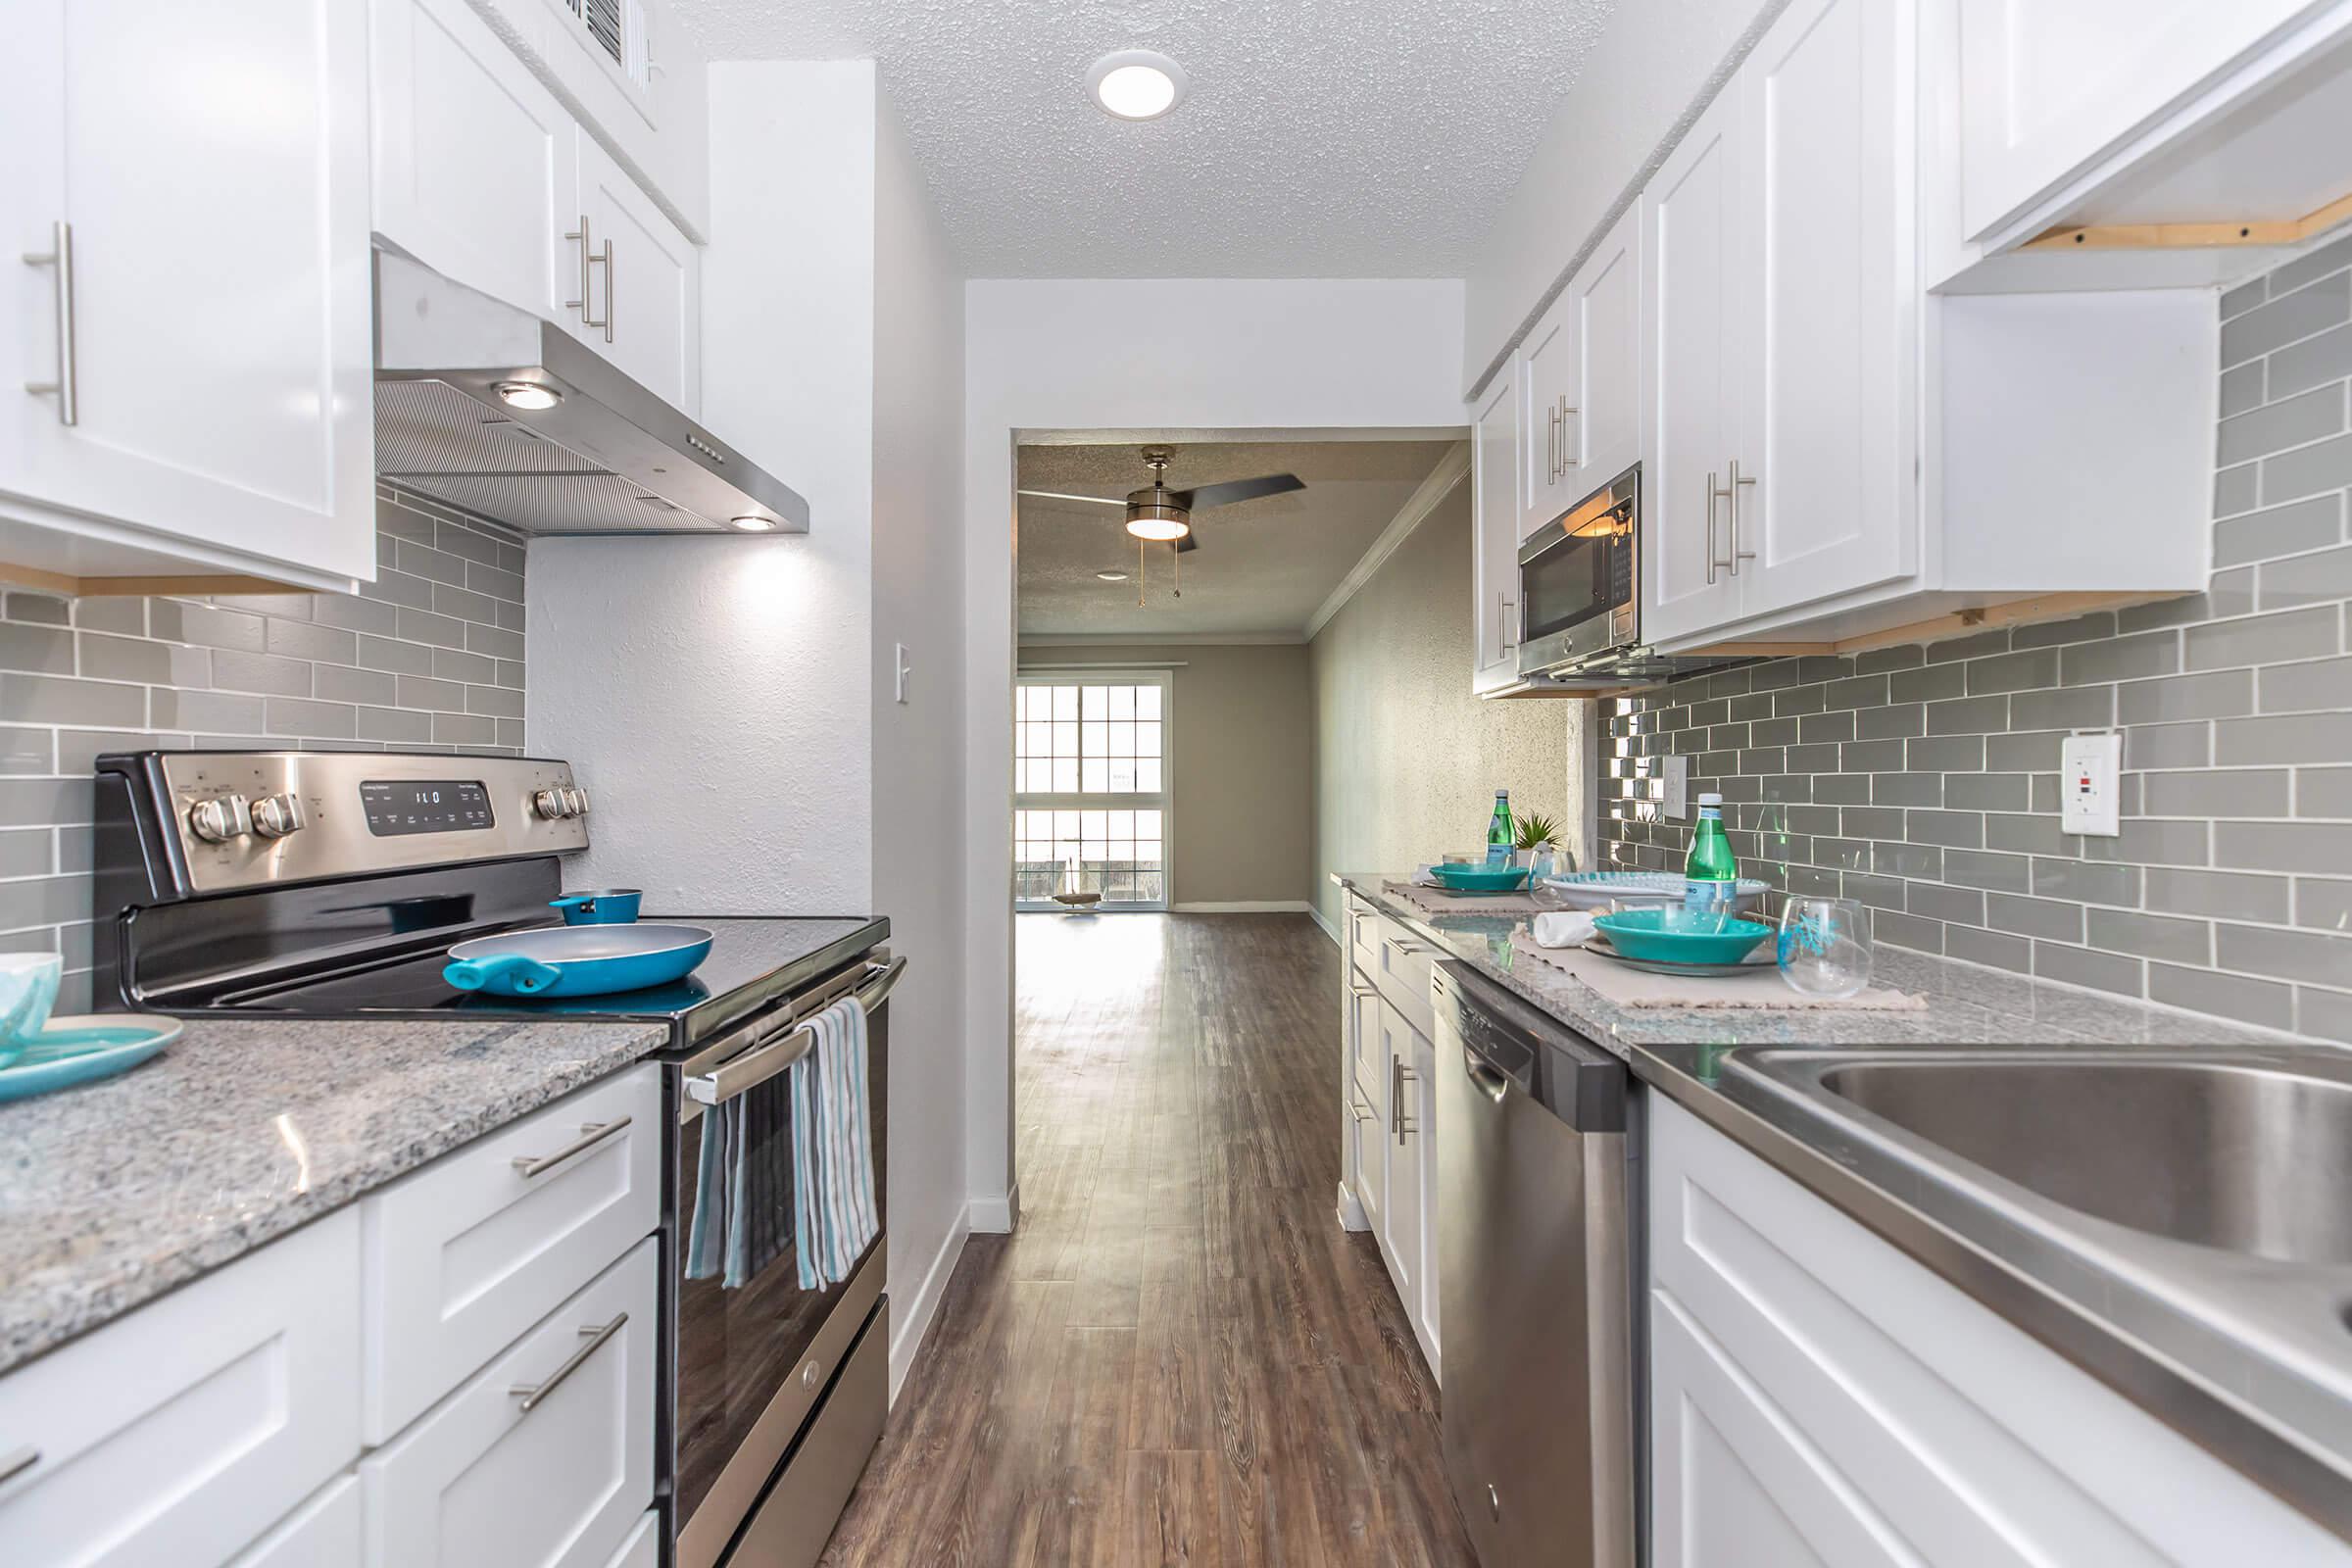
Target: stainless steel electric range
(331,884)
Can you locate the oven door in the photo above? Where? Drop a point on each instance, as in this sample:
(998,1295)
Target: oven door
(1576,581)
(753,1362)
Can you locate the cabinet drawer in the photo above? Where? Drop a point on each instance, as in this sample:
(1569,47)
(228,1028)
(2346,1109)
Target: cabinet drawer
(484,1482)
(467,1253)
(1402,971)
(1363,937)
(177,1435)
(323,1533)
(643,1548)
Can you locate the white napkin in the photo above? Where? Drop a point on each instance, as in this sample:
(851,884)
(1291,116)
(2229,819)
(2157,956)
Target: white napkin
(1562,928)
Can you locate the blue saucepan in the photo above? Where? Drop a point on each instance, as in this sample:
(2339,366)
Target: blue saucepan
(604,906)
(577,961)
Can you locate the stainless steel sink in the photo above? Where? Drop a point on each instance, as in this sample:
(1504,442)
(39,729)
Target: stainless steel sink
(2248,1158)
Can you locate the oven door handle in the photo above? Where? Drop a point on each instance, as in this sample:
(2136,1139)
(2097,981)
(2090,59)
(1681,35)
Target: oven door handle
(771,1057)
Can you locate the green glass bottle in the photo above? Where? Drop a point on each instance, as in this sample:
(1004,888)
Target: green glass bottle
(1713,874)
(1499,832)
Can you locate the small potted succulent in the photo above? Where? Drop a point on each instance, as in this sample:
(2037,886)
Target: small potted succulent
(1536,844)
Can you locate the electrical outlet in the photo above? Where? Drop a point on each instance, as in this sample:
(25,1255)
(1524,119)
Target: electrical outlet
(1676,772)
(2089,774)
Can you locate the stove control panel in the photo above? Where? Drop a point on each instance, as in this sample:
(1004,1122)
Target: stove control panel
(229,820)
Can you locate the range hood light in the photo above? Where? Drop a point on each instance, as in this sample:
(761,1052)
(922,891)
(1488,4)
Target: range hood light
(527,395)
(752,524)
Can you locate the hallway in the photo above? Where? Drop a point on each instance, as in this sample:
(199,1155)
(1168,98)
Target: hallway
(1179,1357)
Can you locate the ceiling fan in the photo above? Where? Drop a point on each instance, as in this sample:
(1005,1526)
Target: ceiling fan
(1157,512)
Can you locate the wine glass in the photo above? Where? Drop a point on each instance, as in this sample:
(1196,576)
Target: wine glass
(1822,949)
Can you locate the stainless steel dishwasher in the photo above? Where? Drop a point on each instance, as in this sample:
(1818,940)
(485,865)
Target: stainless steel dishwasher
(1533,1241)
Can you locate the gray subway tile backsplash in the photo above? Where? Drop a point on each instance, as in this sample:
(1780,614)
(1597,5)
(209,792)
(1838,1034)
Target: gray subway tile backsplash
(2229,889)
(84,676)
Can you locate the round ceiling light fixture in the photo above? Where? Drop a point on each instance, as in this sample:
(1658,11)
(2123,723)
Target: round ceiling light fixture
(752,522)
(526,394)
(1111,576)
(1135,83)
(1158,526)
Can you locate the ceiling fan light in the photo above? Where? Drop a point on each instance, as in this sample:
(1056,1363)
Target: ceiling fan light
(1135,83)
(1160,529)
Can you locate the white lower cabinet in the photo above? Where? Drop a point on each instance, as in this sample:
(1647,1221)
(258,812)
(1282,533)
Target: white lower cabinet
(323,1533)
(1387,1160)
(643,1548)
(177,1435)
(545,1457)
(1819,1397)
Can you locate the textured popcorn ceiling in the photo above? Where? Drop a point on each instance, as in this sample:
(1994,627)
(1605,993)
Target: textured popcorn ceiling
(1263,566)
(1320,139)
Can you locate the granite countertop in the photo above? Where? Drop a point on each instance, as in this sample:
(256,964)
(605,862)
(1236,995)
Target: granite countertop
(2176,1327)
(114,1193)
(1967,1003)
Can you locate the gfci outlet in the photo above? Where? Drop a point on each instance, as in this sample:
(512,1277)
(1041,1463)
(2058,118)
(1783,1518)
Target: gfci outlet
(2090,773)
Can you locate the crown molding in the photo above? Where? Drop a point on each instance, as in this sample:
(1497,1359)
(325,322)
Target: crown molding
(1417,507)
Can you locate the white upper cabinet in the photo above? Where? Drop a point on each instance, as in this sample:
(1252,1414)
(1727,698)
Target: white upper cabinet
(203,335)
(1690,213)
(2047,88)
(645,279)
(474,169)
(1494,568)
(1606,436)
(1823,497)
(1551,378)
(483,175)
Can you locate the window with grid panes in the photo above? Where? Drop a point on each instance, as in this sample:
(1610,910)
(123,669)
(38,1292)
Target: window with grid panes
(1090,806)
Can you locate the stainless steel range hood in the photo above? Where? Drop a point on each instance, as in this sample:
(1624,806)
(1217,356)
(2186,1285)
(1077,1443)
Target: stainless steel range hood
(604,454)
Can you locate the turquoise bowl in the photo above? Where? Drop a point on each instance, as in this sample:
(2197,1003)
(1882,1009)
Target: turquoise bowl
(1678,936)
(1481,878)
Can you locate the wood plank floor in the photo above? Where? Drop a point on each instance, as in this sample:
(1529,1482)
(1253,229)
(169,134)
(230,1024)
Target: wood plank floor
(1179,1357)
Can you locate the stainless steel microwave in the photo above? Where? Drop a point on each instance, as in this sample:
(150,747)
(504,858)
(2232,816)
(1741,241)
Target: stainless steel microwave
(1580,582)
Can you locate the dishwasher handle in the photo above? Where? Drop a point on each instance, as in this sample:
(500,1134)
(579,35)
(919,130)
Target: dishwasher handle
(1490,1083)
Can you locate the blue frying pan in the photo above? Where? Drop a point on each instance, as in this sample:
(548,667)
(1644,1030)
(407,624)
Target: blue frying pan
(577,961)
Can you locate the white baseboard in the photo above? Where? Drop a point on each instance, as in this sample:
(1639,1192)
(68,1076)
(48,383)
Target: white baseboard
(1248,906)
(995,1215)
(1351,1212)
(912,1315)
(1315,911)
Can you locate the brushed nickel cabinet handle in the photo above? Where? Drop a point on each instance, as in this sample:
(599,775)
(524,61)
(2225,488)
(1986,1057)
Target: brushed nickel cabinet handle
(1738,479)
(533,1395)
(1567,461)
(591,1134)
(67,386)
(1712,493)
(1398,1072)
(1551,447)
(608,322)
(587,259)
(12,1465)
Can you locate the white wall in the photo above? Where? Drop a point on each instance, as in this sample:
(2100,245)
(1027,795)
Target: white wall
(719,687)
(1654,68)
(1194,354)
(918,747)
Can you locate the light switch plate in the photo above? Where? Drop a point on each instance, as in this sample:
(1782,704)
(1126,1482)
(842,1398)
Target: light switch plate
(906,669)
(2089,774)
(1676,772)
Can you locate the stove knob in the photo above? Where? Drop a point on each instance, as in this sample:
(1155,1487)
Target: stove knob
(276,816)
(576,800)
(220,819)
(549,804)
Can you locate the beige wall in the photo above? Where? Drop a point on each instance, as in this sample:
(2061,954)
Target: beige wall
(1242,776)
(1407,761)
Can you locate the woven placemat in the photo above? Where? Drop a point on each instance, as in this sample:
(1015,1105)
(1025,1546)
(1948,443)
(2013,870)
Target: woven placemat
(1762,990)
(1429,900)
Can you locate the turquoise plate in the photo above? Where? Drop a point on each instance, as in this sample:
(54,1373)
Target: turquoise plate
(80,1050)
(1480,879)
(1678,936)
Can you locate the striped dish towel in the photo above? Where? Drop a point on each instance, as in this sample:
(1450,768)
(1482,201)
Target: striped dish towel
(834,1215)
